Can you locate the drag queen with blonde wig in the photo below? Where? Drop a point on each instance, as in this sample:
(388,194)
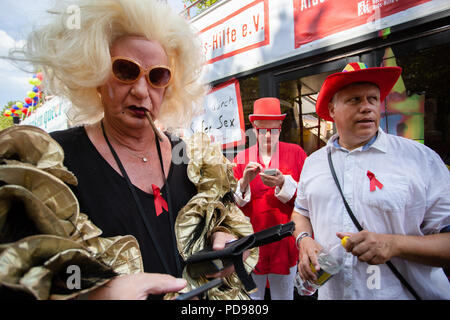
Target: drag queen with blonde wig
(126,64)
(77,59)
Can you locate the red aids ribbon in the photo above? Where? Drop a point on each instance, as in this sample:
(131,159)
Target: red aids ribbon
(373,181)
(160,203)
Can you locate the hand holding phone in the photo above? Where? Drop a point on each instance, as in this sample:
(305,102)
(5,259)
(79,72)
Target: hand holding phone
(270,172)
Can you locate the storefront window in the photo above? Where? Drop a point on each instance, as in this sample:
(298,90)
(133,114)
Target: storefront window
(249,92)
(419,105)
(298,99)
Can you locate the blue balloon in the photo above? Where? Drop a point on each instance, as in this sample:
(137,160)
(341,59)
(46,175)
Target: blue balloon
(35,89)
(36,98)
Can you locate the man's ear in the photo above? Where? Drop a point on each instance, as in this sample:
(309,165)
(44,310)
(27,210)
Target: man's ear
(331,108)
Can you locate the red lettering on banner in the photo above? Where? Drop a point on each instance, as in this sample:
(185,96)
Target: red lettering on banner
(221,39)
(306,4)
(215,43)
(317,19)
(244,30)
(234,34)
(256,23)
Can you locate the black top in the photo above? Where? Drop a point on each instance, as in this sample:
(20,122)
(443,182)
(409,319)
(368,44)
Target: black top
(104,196)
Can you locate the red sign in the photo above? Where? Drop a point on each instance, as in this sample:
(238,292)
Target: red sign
(317,19)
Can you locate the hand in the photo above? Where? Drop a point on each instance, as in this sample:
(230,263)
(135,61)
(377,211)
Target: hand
(220,239)
(250,172)
(370,247)
(273,181)
(309,248)
(137,287)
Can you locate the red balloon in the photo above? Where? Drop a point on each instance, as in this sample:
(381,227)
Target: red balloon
(28,100)
(39,76)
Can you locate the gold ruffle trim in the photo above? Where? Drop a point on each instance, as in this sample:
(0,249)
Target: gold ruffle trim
(211,209)
(43,235)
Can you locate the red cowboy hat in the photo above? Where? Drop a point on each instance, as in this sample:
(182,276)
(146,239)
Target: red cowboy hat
(266,109)
(383,77)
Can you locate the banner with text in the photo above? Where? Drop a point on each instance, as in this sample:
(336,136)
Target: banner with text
(316,19)
(51,116)
(244,29)
(223,117)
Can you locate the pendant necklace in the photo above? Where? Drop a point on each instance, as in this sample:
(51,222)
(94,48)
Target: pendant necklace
(144,159)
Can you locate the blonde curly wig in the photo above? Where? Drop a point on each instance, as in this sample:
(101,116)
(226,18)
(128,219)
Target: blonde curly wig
(75,61)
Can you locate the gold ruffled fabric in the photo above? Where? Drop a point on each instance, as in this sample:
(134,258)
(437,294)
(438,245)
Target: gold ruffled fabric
(43,235)
(211,209)
(31,145)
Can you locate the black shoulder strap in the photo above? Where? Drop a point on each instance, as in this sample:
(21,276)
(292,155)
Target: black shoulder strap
(140,207)
(349,210)
(359,227)
(171,213)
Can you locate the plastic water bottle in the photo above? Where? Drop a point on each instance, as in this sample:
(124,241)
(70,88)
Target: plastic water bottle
(330,263)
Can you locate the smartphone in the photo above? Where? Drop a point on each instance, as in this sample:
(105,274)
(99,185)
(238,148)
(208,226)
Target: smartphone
(198,291)
(270,172)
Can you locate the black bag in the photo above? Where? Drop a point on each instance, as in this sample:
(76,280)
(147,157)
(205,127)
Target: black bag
(209,261)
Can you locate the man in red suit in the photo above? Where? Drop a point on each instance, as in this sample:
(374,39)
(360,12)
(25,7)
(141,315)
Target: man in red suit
(268,173)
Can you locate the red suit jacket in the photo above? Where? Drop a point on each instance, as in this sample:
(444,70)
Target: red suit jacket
(266,210)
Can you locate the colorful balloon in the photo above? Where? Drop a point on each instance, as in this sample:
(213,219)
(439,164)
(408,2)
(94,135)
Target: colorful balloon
(31,94)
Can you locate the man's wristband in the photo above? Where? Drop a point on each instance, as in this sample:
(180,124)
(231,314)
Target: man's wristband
(300,237)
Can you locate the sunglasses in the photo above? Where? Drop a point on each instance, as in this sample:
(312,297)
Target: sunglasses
(128,71)
(272,131)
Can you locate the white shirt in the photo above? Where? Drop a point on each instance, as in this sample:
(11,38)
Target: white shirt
(414,200)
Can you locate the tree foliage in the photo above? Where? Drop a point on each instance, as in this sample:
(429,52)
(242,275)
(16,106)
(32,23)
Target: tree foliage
(6,122)
(201,4)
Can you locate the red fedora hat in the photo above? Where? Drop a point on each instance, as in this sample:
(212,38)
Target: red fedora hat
(266,109)
(383,77)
